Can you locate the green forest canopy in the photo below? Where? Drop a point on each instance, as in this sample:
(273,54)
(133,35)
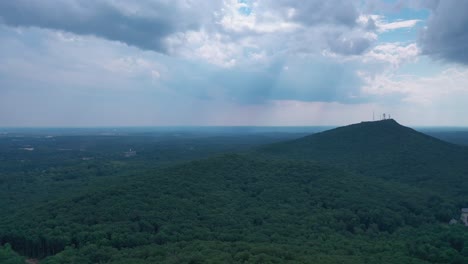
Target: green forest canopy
(318,199)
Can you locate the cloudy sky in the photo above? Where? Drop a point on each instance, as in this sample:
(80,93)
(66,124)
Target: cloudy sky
(232,62)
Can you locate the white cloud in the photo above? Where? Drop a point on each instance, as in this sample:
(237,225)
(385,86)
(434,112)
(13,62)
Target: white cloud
(382,25)
(231,18)
(214,48)
(249,32)
(393,53)
(447,85)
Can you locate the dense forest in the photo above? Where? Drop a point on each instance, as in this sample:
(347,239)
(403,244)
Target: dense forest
(375,192)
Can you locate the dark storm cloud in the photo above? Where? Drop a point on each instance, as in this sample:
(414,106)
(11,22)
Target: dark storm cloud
(446,35)
(147,24)
(145,27)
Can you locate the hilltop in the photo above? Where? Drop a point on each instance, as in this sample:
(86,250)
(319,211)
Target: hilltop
(383,149)
(365,138)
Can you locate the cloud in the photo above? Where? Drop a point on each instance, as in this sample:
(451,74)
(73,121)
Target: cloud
(91,65)
(350,43)
(449,85)
(338,12)
(240,16)
(380,24)
(215,48)
(316,26)
(446,34)
(392,53)
(42,59)
(167,61)
(172,27)
(224,33)
(435,99)
(144,25)
(397,25)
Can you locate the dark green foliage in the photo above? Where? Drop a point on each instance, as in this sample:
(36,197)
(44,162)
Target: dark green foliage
(387,150)
(8,256)
(290,205)
(241,208)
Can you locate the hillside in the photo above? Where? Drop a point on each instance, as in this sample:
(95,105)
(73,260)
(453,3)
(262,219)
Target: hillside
(234,208)
(384,149)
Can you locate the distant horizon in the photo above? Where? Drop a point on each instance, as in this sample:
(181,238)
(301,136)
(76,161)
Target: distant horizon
(267,128)
(200,126)
(218,126)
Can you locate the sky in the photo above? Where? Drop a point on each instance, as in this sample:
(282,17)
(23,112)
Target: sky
(232,62)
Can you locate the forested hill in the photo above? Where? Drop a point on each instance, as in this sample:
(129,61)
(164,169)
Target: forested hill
(384,149)
(237,209)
